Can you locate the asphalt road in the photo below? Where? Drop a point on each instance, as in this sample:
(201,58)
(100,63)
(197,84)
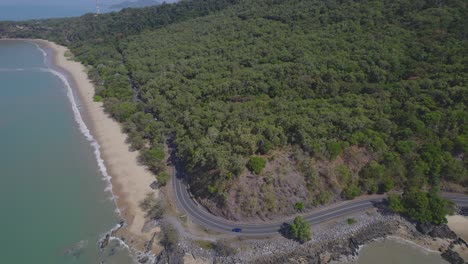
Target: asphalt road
(199,214)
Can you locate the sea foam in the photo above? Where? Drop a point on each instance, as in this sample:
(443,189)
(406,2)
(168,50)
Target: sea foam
(84,129)
(44,53)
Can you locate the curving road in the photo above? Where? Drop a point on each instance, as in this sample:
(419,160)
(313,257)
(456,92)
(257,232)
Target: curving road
(199,214)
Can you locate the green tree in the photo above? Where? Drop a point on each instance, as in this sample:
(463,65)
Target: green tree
(416,204)
(395,204)
(256,164)
(153,158)
(299,206)
(163,178)
(351,192)
(334,149)
(439,208)
(421,206)
(387,185)
(299,230)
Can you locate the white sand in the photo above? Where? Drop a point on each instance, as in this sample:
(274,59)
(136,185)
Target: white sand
(459,225)
(130,180)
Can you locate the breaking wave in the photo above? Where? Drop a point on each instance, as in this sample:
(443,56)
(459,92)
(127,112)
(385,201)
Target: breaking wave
(44,53)
(87,133)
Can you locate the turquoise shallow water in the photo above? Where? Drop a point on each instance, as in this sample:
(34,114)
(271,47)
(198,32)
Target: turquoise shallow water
(52,200)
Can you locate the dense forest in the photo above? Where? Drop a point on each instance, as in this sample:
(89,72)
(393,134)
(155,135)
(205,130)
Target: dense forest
(280,105)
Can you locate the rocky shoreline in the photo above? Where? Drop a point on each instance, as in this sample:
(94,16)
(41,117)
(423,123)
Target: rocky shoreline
(341,244)
(335,241)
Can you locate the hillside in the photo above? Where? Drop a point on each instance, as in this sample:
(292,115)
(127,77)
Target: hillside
(333,98)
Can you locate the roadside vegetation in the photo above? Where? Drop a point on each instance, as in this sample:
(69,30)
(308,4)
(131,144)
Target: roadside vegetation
(223,248)
(153,207)
(169,237)
(423,207)
(163,178)
(299,230)
(256,164)
(272,102)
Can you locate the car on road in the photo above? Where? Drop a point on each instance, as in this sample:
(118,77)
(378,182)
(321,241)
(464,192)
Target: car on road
(237,230)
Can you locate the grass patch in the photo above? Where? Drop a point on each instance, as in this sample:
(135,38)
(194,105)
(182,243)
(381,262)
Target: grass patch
(205,244)
(68,54)
(163,178)
(351,221)
(256,164)
(97,98)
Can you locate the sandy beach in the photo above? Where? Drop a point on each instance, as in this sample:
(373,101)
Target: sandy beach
(459,225)
(130,180)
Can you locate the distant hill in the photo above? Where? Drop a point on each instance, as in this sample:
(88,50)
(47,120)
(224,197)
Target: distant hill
(139,4)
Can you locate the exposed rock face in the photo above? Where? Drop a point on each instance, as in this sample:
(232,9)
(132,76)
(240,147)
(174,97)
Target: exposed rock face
(143,259)
(348,246)
(154,185)
(441,231)
(170,257)
(452,257)
(333,242)
(104,242)
(425,229)
(463,211)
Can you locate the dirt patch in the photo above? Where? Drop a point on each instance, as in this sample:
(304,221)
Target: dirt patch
(291,182)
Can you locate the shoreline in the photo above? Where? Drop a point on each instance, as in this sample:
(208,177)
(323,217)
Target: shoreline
(129,181)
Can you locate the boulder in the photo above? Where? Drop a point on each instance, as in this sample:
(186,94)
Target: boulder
(452,257)
(354,246)
(442,231)
(425,228)
(463,211)
(154,185)
(104,242)
(143,259)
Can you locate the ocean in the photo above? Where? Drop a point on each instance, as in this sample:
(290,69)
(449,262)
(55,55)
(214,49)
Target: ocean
(17,12)
(52,193)
(396,251)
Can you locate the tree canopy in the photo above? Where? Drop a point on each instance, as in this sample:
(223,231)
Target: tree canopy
(299,230)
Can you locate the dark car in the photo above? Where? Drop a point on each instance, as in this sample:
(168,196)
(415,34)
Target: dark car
(237,230)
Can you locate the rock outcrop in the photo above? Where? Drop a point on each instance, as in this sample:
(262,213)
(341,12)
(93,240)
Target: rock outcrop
(440,231)
(452,257)
(335,250)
